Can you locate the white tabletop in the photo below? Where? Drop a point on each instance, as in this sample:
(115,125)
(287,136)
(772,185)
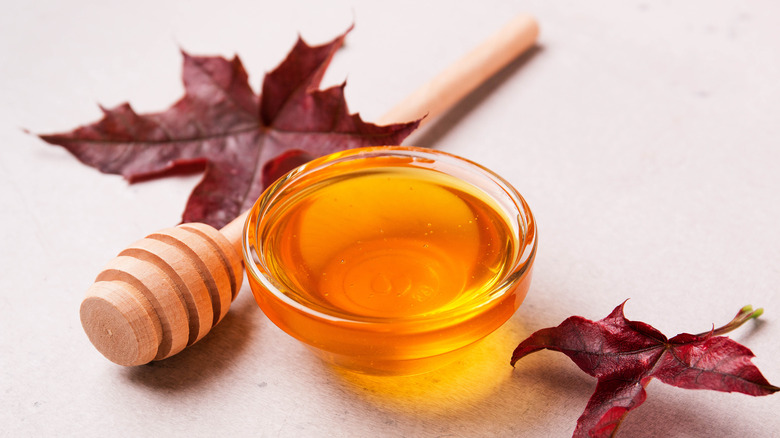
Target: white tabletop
(644,135)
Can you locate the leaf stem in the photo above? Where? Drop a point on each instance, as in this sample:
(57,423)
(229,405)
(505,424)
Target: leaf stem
(745,314)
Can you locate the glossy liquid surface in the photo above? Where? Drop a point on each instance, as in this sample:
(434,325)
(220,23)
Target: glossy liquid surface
(387,242)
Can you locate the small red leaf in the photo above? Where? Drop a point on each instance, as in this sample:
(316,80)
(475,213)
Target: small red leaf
(220,125)
(625,355)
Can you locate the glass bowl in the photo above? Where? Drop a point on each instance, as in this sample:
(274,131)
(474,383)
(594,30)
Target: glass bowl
(389,260)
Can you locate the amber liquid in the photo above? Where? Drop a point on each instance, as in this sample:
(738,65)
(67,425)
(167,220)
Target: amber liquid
(388,243)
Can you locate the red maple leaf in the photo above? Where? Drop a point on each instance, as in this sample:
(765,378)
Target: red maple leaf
(222,126)
(625,355)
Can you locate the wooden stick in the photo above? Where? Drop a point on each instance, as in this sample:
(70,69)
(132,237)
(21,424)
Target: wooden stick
(168,290)
(466,74)
(234,231)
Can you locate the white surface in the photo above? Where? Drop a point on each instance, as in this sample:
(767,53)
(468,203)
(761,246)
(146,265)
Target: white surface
(644,135)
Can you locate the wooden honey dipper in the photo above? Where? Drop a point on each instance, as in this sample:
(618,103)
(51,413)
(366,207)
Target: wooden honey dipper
(166,291)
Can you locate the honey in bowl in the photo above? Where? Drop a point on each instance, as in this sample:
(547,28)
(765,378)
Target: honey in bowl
(390,260)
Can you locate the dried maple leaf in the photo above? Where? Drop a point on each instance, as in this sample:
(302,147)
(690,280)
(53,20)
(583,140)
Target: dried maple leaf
(625,355)
(242,140)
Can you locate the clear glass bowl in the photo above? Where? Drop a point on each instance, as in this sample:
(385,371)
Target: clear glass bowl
(390,260)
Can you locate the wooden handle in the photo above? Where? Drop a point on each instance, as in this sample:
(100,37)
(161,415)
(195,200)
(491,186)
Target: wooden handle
(466,74)
(168,290)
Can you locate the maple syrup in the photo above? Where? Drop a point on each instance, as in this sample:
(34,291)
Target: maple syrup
(386,260)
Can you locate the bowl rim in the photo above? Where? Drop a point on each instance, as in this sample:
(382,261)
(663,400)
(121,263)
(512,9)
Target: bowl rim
(526,242)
